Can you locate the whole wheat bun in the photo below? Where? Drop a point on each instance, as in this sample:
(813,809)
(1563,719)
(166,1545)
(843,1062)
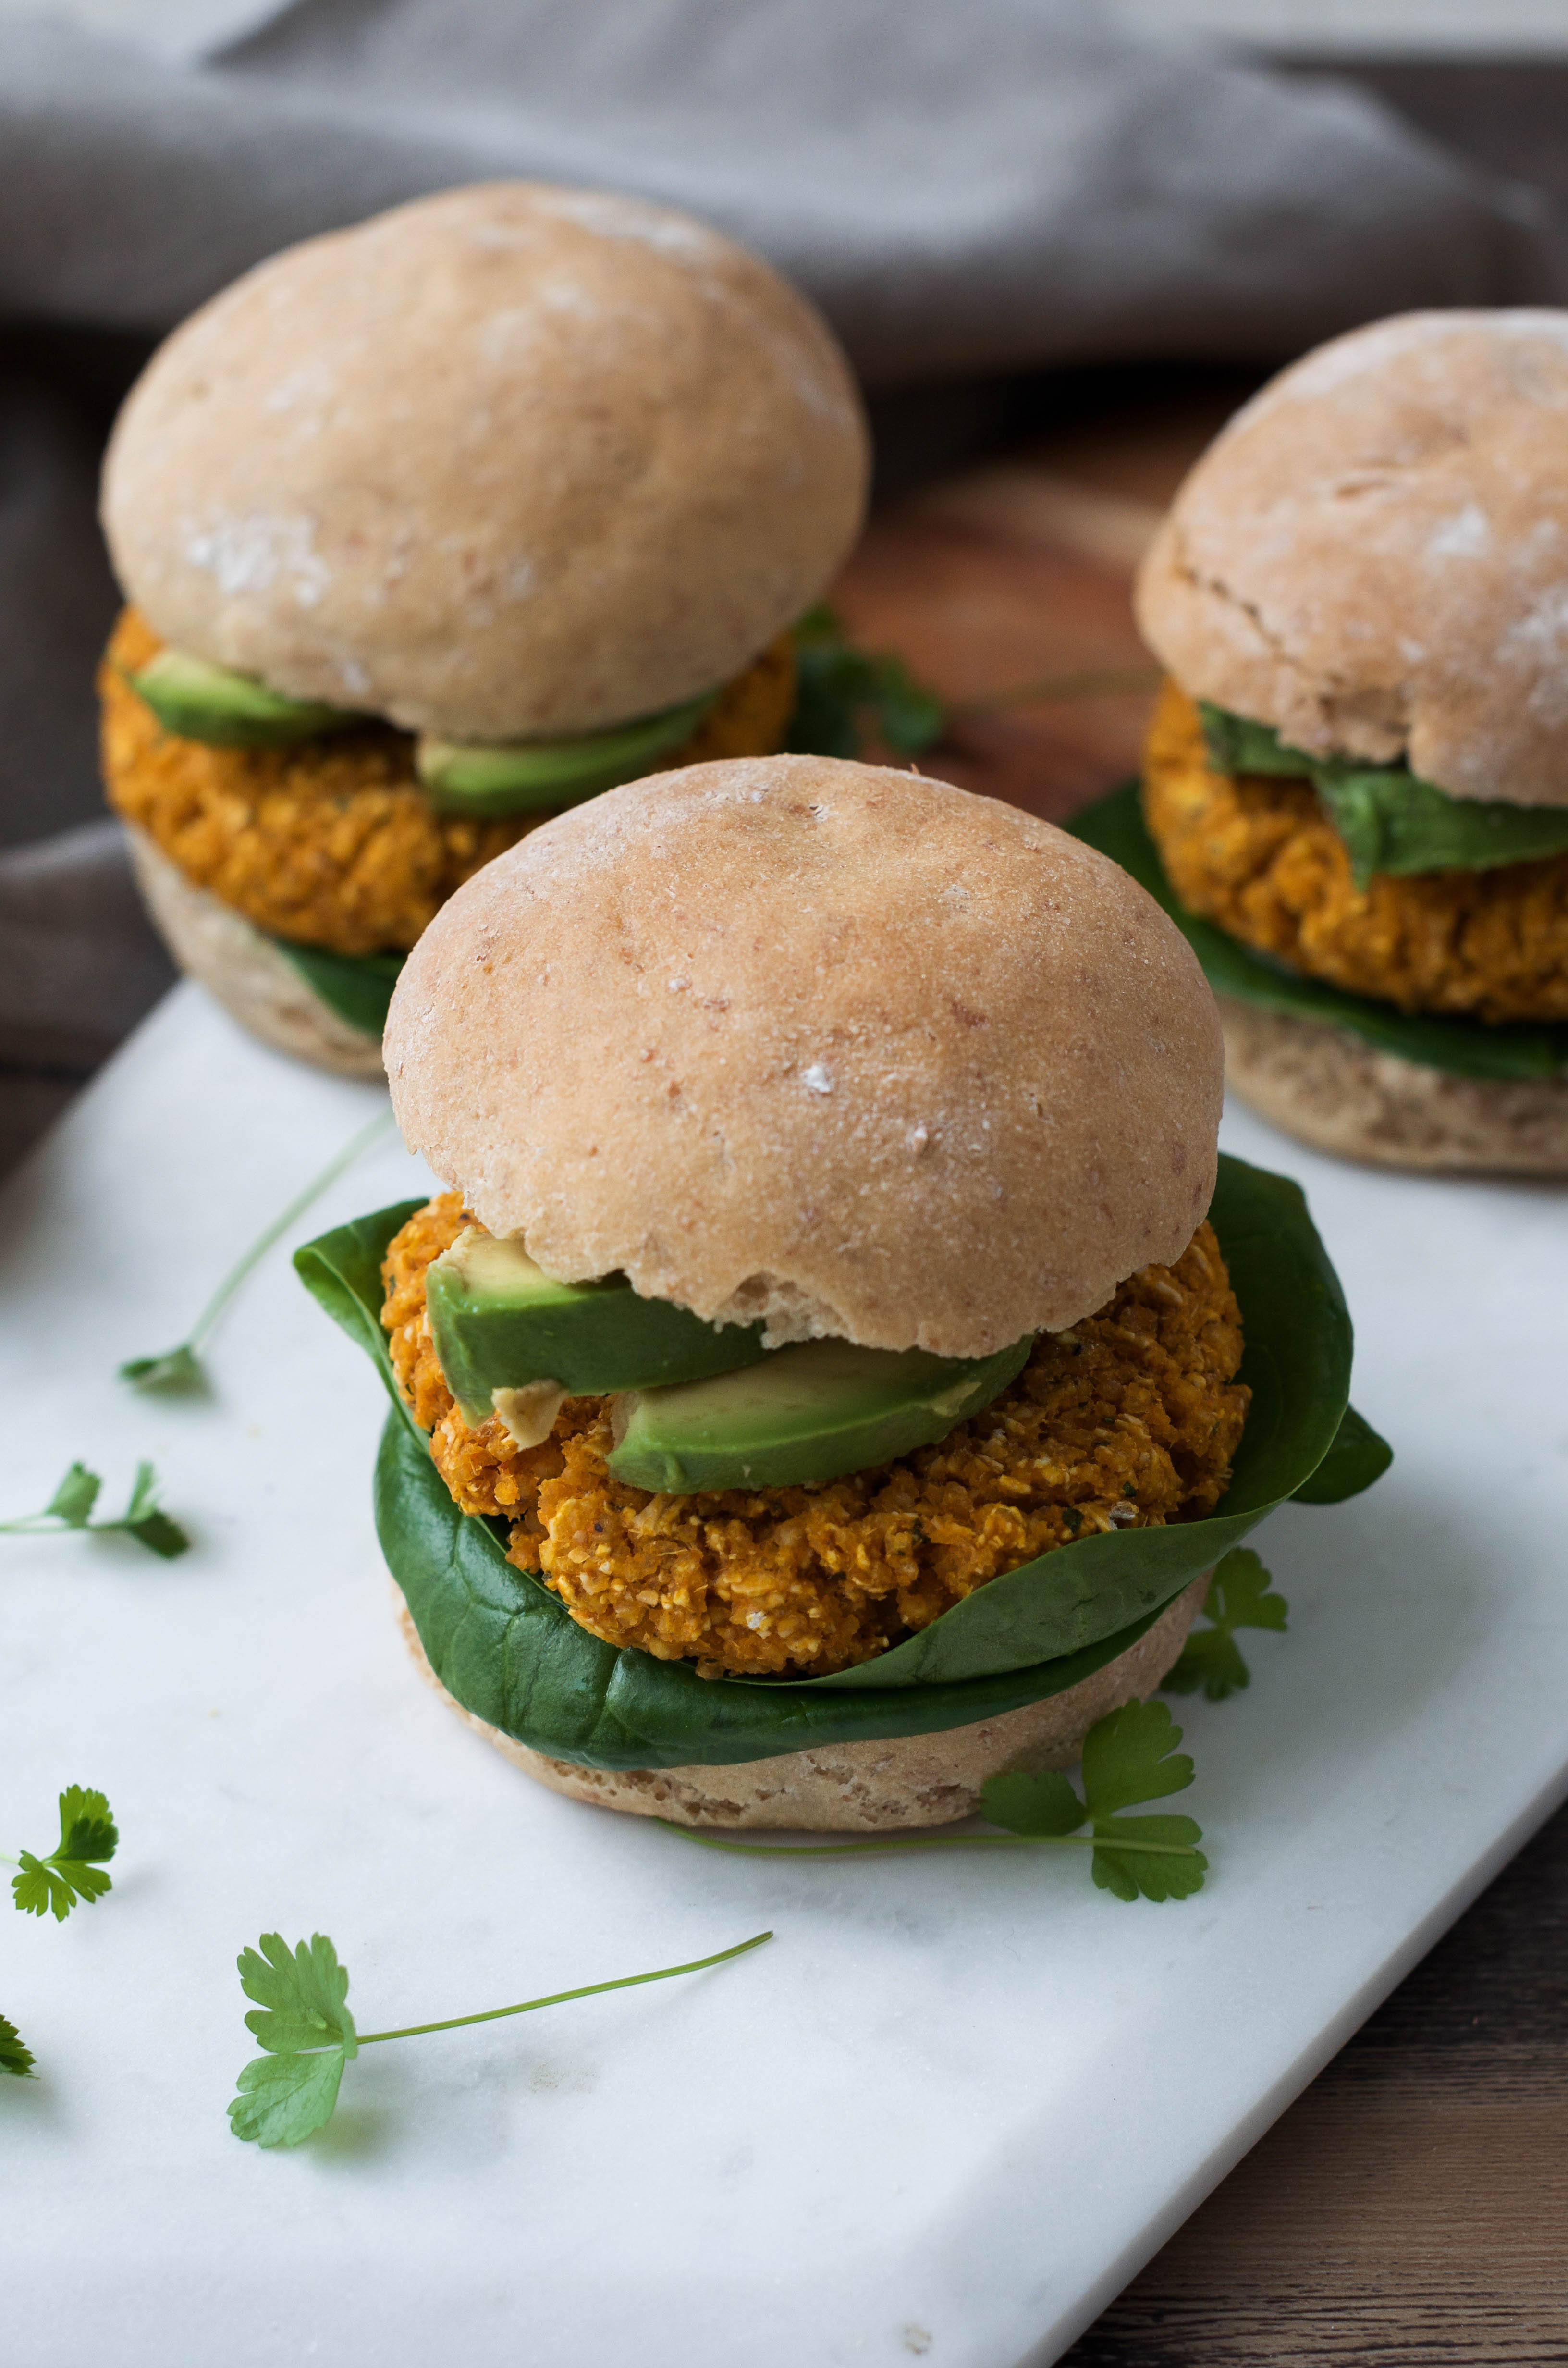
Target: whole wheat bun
(1335,1092)
(255,983)
(916,1780)
(843,1049)
(510,462)
(1373,556)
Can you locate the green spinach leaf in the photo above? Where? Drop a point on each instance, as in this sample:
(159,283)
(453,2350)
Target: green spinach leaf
(1467,1048)
(357,986)
(504,1645)
(1390,819)
(1357,1458)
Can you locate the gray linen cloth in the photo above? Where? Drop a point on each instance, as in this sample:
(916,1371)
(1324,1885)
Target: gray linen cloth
(964,185)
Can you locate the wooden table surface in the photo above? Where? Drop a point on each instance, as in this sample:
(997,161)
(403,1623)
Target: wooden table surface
(1412,2207)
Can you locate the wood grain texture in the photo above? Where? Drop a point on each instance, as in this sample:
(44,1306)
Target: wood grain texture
(1411,2209)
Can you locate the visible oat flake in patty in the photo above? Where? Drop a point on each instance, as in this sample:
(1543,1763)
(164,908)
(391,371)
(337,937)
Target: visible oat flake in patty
(1130,1420)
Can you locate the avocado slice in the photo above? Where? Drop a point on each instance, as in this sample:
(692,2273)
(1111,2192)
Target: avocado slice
(526,776)
(804,1414)
(501,1324)
(197,702)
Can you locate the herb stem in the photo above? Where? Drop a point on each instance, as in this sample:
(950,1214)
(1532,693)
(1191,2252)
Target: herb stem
(1047,688)
(559,1998)
(935,1841)
(380,1124)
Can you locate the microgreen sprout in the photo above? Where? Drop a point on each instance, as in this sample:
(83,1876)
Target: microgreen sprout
(304,2024)
(1130,1756)
(1240,1595)
(72,1875)
(180,1368)
(70,1508)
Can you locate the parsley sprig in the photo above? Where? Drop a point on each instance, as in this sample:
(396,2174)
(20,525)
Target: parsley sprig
(16,2056)
(1130,1756)
(70,1508)
(304,2024)
(180,1368)
(72,1875)
(1240,1595)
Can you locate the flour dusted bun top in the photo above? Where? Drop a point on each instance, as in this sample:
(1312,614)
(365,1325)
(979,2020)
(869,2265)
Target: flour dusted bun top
(842,1048)
(511,461)
(1373,556)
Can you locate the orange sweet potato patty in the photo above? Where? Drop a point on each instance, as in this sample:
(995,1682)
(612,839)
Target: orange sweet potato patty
(1257,854)
(333,842)
(1129,1419)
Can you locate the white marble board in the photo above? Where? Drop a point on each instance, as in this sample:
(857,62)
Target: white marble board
(956,2102)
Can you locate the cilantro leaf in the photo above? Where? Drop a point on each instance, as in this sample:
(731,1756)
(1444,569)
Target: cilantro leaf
(283,2098)
(175,1368)
(1045,1804)
(1240,1595)
(73,1874)
(843,691)
(1130,1872)
(159,1533)
(39,1886)
(71,1505)
(1129,1756)
(310,2035)
(73,1500)
(88,1830)
(301,1995)
(1132,1756)
(14,2056)
(306,2027)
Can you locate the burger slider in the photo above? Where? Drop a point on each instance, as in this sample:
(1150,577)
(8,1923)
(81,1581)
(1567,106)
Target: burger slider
(1355,789)
(834,1368)
(432,527)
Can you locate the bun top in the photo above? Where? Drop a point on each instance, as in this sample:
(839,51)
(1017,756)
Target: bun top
(510,461)
(1373,556)
(842,1048)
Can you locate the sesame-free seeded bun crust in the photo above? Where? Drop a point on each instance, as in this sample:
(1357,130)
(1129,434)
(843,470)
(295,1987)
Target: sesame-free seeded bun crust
(1373,556)
(510,462)
(842,1048)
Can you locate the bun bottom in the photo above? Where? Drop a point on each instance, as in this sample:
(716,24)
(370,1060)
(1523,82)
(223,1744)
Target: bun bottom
(881,1787)
(1335,1092)
(257,984)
